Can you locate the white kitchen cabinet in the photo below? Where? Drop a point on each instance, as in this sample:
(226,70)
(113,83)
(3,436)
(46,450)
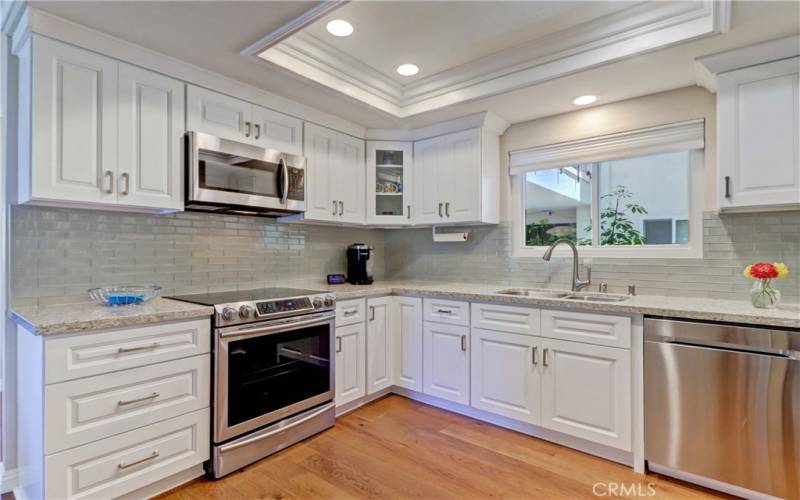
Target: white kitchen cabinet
(505,377)
(446,361)
(586,392)
(457,178)
(380,344)
(335,174)
(350,363)
(591,328)
(102,133)
(389,186)
(275,130)
(758,136)
(407,321)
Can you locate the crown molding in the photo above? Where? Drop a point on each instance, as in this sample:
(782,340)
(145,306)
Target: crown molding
(632,31)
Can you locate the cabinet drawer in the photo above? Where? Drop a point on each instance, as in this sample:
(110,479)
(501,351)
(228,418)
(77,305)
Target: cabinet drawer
(81,411)
(599,329)
(349,312)
(512,319)
(451,312)
(84,355)
(120,464)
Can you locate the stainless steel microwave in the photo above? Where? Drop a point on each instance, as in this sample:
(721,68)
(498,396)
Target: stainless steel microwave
(225,176)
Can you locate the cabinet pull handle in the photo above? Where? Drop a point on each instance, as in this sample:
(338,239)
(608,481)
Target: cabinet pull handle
(338,344)
(534,355)
(152,346)
(544,357)
(123,466)
(126,176)
(447,209)
(727,186)
(350,313)
(463,342)
(341,208)
(440,210)
(372,313)
(248,129)
(137,400)
(110,176)
(444,311)
(409,212)
(258,131)
(334,208)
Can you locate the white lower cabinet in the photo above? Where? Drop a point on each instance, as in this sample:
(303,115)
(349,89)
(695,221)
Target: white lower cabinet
(350,363)
(407,321)
(586,391)
(446,361)
(505,377)
(380,353)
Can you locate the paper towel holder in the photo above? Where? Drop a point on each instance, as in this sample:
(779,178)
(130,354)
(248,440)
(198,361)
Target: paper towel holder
(450,237)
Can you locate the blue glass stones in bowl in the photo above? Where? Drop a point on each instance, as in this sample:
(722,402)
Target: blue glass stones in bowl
(124,295)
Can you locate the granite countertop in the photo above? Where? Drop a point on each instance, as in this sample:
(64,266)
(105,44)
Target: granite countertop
(89,316)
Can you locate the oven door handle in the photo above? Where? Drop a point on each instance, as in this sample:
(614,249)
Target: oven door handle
(283,326)
(258,436)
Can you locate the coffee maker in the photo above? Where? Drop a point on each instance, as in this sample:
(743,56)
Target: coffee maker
(359,264)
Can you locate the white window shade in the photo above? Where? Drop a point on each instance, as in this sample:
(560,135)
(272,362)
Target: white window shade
(681,136)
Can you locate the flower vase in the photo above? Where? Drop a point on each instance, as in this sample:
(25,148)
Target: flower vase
(763,295)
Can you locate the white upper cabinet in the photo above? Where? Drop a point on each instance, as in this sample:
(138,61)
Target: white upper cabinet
(102,133)
(389,174)
(151,110)
(457,178)
(336,176)
(758,123)
(277,131)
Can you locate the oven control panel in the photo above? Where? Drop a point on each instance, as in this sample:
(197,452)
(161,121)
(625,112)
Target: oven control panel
(283,306)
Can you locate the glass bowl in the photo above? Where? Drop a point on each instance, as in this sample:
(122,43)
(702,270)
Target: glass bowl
(124,295)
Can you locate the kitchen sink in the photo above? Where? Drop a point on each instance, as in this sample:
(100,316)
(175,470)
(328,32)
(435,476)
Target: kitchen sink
(554,294)
(595,297)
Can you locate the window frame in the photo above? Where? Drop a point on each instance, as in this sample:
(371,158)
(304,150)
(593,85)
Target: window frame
(693,250)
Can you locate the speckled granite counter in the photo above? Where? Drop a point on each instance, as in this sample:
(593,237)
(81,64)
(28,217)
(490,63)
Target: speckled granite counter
(732,311)
(88,316)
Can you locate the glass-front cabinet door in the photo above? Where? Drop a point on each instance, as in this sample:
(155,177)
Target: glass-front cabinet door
(389,172)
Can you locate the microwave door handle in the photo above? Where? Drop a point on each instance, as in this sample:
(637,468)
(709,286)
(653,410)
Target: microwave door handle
(284,181)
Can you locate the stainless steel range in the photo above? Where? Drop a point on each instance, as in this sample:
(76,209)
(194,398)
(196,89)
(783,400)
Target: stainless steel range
(274,372)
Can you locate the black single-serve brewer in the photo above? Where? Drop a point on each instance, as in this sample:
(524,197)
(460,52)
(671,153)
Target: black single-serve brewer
(359,264)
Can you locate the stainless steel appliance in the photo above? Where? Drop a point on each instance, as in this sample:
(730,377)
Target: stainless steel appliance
(274,376)
(359,264)
(225,176)
(722,401)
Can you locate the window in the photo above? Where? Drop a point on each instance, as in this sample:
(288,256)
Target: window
(640,205)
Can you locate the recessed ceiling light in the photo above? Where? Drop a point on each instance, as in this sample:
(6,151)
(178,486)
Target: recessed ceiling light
(584,100)
(339,27)
(407,69)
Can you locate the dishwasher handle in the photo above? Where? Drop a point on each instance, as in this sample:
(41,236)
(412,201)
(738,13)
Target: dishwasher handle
(736,348)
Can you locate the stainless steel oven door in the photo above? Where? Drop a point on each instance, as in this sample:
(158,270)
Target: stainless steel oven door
(229,173)
(267,371)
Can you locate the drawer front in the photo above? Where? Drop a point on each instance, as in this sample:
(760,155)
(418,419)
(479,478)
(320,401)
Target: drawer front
(511,319)
(599,329)
(452,312)
(84,355)
(81,411)
(120,464)
(350,312)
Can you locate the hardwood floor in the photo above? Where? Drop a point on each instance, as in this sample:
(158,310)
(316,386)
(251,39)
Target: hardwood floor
(397,448)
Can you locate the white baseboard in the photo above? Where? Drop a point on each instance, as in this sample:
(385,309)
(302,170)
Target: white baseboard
(8,479)
(358,403)
(713,484)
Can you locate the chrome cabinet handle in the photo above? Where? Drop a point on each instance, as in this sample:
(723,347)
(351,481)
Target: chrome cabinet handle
(444,311)
(534,355)
(544,357)
(727,186)
(338,344)
(138,400)
(372,313)
(334,208)
(350,313)
(463,342)
(123,466)
(409,212)
(258,131)
(152,346)
(440,210)
(248,129)
(110,176)
(447,209)
(127,179)
(341,208)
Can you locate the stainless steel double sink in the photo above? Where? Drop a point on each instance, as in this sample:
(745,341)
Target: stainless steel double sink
(555,294)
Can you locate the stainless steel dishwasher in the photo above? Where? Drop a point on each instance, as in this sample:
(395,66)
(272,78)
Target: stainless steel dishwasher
(723,402)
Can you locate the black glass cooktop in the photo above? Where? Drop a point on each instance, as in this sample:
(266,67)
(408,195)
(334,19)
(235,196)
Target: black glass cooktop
(217,298)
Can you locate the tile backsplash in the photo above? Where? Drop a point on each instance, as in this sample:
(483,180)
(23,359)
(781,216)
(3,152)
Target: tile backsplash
(57,253)
(730,242)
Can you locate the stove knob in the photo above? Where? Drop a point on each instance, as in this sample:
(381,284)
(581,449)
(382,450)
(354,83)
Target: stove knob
(228,313)
(329,301)
(317,303)
(245,311)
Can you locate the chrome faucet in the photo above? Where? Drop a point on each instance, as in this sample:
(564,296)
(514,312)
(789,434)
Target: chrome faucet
(577,283)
